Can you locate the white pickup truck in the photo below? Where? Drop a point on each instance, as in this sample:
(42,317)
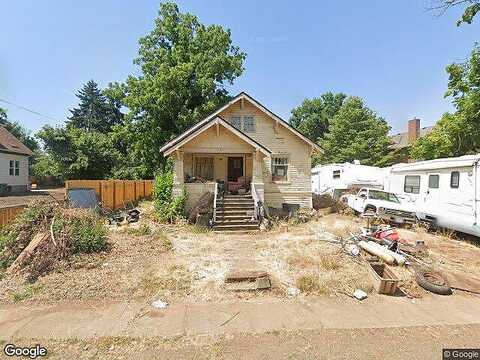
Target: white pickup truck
(381,204)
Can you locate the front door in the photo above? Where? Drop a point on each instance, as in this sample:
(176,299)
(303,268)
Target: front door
(235,168)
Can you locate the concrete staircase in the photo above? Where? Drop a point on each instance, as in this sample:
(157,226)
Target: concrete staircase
(234,214)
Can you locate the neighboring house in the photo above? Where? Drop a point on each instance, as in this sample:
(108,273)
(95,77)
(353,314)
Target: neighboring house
(335,179)
(402,142)
(244,145)
(13,162)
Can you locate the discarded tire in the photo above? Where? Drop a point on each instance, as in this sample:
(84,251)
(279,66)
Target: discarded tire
(433,281)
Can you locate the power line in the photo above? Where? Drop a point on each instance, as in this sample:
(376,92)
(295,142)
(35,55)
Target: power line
(29,110)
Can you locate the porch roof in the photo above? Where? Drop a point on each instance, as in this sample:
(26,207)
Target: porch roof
(205,125)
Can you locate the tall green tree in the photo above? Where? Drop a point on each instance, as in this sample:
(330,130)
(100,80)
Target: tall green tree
(77,153)
(458,133)
(95,111)
(185,68)
(313,117)
(357,133)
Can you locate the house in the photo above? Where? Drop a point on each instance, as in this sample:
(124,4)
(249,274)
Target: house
(255,155)
(402,142)
(445,192)
(13,163)
(335,179)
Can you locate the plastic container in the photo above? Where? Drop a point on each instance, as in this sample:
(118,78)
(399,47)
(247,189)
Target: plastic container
(384,280)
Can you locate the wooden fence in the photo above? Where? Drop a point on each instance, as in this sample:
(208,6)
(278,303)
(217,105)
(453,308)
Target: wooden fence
(115,194)
(8,213)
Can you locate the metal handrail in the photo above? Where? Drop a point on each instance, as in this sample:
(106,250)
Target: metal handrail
(215,203)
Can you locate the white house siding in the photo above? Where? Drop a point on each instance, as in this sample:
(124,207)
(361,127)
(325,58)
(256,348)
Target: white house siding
(278,139)
(18,183)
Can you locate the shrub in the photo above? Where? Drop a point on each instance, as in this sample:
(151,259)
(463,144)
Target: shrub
(168,207)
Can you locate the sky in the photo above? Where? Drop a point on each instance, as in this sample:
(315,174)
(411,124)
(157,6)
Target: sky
(391,53)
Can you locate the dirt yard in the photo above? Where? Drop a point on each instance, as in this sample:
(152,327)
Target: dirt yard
(180,263)
(25,198)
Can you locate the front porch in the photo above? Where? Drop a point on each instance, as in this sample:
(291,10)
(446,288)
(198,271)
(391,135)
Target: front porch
(234,173)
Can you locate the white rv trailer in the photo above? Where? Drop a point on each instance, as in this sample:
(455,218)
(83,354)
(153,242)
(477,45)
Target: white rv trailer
(336,178)
(446,191)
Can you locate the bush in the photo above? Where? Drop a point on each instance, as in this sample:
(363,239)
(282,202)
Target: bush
(85,229)
(168,207)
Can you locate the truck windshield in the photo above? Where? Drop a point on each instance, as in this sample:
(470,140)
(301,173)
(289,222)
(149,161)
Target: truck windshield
(382,195)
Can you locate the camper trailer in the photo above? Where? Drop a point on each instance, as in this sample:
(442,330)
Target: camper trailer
(335,179)
(446,192)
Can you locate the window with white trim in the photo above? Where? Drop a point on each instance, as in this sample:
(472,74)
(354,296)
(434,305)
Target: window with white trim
(12,168)
(336,174)
(280,168)
(17,168)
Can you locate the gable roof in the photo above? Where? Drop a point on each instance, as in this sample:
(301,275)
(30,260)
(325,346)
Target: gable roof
(400,141)
(10,144)
(244,95)
(205,125)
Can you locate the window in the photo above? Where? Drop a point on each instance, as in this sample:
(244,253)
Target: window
(336,174)
(236,121)
(12,168)
(248,124)
(383,195)
(279,168)
(203,167)
(433,181)
(245,123)
(412,184)
(17,168)
(455,179)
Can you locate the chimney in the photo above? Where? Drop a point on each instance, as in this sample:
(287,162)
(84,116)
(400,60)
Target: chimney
(413,130)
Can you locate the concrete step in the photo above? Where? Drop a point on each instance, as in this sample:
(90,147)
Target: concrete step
(248,196)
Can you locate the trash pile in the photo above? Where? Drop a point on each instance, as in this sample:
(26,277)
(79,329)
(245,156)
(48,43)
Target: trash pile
(382,247)
(46,233)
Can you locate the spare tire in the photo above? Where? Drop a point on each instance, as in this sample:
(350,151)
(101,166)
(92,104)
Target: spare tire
(433,281)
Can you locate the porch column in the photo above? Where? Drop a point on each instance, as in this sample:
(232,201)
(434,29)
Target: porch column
(178,175)
(257,174)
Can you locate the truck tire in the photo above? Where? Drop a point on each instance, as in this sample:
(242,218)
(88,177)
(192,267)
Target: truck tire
(370,209)
(433,281)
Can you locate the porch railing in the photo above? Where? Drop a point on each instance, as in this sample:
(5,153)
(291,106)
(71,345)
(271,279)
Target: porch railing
(256,199)
(215,194)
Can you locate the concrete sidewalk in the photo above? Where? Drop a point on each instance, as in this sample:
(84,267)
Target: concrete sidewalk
(88,320)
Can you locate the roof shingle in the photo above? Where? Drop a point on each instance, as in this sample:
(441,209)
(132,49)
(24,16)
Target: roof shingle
(10,144)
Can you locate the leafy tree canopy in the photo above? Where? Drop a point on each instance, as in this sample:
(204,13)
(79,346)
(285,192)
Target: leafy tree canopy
(95,111)
(458,133)
(77,154)
(357,133)
(313,117)
(185,67)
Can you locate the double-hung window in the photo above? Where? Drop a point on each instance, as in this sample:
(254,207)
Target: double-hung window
(236,121)
(203,167)
(14,168)
(280,168)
